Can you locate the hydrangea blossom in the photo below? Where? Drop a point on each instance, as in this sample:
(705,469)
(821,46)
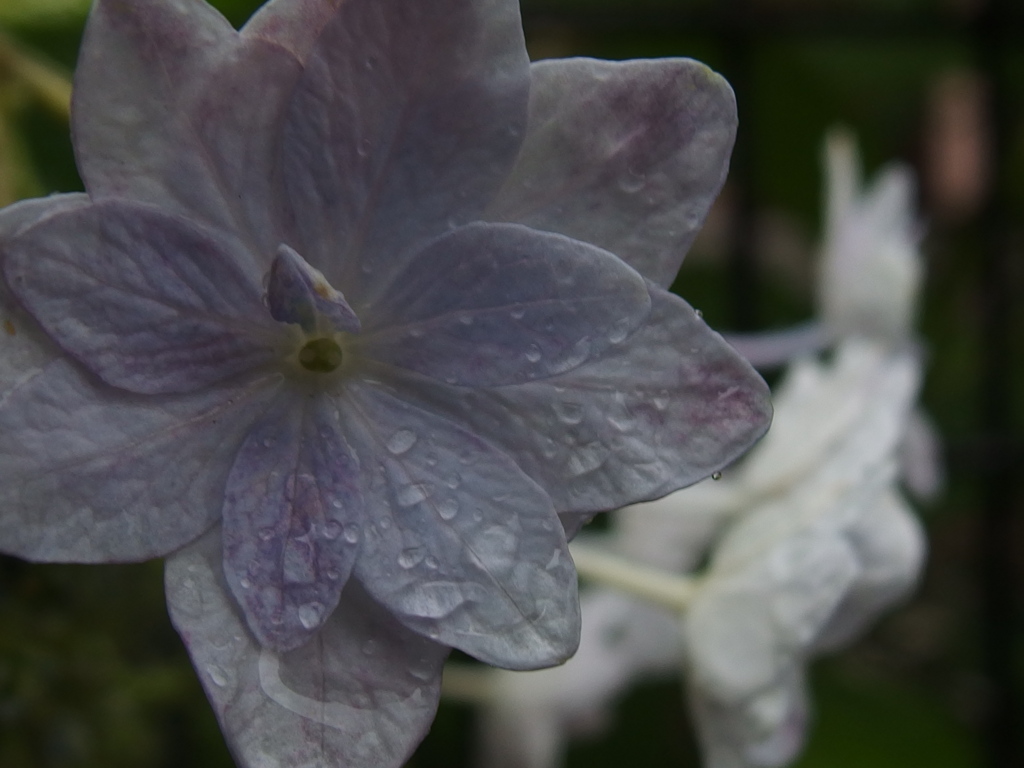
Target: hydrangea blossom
(361,316)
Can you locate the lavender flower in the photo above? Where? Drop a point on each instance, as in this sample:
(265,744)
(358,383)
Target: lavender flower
(360,317)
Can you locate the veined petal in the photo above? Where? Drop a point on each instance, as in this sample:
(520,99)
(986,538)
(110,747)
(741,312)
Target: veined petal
(668,407)
(407,119)
(298,293)
(291,24)
(625,155)
(173,107)
(362,693)
(147,301)
(494,304)
(292,517)
(24,347)
(464,547)
(93,474)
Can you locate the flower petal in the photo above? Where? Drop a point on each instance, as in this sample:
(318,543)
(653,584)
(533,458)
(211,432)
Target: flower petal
(298,293)
(24,347)
(625,155)
(464,548)
(665,408)
(172,107)
(361,694)
(292,515)
(407,120)
(147,301)
(93,474)
(494,304)
(291,24)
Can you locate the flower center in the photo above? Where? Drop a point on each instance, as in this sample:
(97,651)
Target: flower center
(320,355)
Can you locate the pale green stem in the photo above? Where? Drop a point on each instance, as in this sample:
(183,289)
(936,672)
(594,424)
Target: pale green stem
(50,83)
(607,569)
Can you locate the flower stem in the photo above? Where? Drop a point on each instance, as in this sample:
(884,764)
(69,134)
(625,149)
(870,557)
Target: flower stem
(667,589)
(49,83)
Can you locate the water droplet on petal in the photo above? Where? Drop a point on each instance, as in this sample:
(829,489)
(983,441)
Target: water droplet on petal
(411,557)
(385,523)
(716,476)
(333,574)
(533,353)
(661,403)
(619,331)
(401,441)
(448,509)
(245,583)
(518,313)
(266,534)
(421,668)
(466,319)
(310,614)
(698,313)
(454,481)
(569,413)
(332,530)
(217,675)
(411,494)
(431,563)
(351,533)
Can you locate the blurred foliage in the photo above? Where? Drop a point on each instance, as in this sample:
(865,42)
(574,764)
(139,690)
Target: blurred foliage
(92,675)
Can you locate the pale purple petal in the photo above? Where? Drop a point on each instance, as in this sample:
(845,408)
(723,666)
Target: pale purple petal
(667,408)
(93,474)
(147,301)
(172,107)
(625,155)
(24,347)
(297,293)
(292,24)
(361,694)
(292,515)
(407,120)
(494,304)
(462,546)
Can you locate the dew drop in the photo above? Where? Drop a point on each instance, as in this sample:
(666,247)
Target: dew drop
(350,533)
(385,523)
(245,583)
(619,332)
(569,413)
(266,534)
(310,614)
(422,669)
(431,563)
(454,481)
(332,574)
(518,313)
(533,353)
(632,182)
(401,441)
(466,319)
(411,494)
(332,530)
(448,509)
(716,476)
(217,675)
(411,557)
(661,403)
(698,313)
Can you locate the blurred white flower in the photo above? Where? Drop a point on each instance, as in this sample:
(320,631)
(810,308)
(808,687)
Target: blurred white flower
(806,541)
(871,268)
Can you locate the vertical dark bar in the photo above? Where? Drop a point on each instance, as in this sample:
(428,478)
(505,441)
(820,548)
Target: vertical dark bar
(737,44)
(996,545)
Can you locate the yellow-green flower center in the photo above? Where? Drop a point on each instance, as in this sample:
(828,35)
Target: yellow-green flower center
(320,355)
